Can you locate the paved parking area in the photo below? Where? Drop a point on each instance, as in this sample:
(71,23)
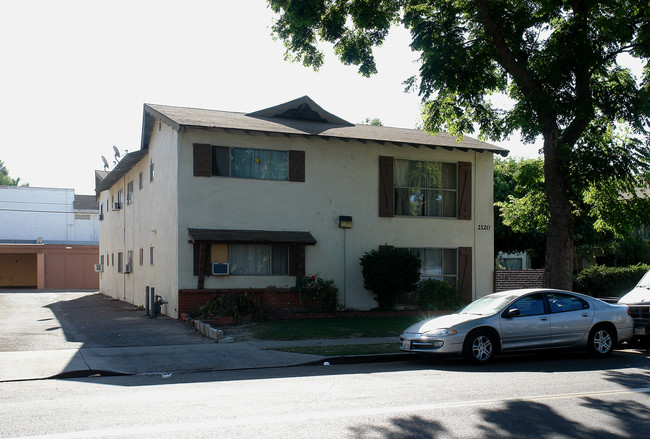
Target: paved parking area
(38,320)
(47,334)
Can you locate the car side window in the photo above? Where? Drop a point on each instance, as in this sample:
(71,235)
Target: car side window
(560,302)
(529,305)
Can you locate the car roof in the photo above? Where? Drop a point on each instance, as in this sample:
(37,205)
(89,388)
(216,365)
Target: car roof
(524,291)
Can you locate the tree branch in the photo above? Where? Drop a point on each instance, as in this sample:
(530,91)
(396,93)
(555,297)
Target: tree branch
(508,60)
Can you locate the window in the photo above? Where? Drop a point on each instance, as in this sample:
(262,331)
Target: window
(120,195)
(151,172)
(258,259)
(120,257)
(425,188)
(150,255)
(140,181)
(112,259)
(264,164)
(101,211)
(439,263)
(101,260)
(129,192)
(141,257)
(512,263)
(564,302)
(531,305)
(129,257)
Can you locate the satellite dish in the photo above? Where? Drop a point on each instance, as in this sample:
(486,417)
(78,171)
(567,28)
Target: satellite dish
(117,152)
(105,163)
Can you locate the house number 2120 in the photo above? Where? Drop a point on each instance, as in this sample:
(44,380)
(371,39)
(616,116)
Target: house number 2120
(483,227)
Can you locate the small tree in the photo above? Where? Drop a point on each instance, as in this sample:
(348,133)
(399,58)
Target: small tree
(388,272)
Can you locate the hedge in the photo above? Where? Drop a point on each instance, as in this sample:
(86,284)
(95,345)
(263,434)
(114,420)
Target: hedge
(603,281)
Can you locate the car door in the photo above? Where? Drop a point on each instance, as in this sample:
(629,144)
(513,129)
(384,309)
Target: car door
(525,324)
(571,319)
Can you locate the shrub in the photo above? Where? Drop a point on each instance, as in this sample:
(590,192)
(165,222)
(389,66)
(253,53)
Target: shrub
(437,295)
(603,281)
(388,272)
(318,294)
(236,305)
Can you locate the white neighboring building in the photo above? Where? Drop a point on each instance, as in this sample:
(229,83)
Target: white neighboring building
(264,192)
(49,238)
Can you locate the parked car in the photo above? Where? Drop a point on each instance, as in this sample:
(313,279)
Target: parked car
(519,320)
(638,302)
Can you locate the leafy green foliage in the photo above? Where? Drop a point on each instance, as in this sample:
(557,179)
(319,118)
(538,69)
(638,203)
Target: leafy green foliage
(318,294)
(239,306)
(375,121)
(5,180)
(557,62)
(632,250)
(388,272)
(436,295)
(602,281)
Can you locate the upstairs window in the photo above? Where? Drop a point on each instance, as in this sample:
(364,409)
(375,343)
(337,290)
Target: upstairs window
(263,164)
(129,192)
(424,188)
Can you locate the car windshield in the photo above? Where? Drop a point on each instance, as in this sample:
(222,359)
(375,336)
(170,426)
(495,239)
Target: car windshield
(487,305)
(645,281)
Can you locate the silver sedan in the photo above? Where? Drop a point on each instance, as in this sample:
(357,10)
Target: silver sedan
(520,320)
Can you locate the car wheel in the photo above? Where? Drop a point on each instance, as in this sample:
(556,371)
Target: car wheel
(602,341)
(480,347)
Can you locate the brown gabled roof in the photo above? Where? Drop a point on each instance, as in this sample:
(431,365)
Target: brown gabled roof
(303,117)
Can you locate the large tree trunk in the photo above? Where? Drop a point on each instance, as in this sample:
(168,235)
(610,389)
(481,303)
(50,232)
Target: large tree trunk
(559,237)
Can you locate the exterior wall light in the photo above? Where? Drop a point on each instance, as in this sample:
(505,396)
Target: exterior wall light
(345,222)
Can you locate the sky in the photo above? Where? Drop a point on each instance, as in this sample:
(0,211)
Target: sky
(76,73)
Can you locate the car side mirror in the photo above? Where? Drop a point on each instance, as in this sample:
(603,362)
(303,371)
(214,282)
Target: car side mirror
(513,312)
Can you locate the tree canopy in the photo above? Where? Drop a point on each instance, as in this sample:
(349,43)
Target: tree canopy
(5,180)
(558,61)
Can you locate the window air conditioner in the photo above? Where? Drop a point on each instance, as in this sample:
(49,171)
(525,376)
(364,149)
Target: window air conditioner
(128,268)
(220,268)
(117,205)
(99,268)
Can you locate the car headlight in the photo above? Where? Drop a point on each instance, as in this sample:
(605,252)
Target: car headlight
(441,332)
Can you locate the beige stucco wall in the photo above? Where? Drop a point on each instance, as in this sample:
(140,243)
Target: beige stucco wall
(341,179)
(150,221)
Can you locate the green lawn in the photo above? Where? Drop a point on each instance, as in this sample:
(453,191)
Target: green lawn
(336,327)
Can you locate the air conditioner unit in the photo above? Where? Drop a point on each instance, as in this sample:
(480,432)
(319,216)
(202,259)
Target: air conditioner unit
(117,205)
(220,268)
(101,217)
(99,268)
(128,268)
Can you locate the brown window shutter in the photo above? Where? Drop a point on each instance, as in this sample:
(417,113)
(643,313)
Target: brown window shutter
(202,160)
(464,190)
(386,190)
(297,166)
(465,272)
(297,261)
(202,257)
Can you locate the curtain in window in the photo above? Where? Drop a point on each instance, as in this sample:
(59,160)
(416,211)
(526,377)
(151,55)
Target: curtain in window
(280,259)
(259,164)
(251,259)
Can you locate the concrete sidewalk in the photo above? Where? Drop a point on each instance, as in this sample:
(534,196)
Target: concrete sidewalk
(132,360)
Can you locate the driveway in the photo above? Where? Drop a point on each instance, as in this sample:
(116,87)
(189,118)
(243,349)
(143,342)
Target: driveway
(57,333)
(36,320)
